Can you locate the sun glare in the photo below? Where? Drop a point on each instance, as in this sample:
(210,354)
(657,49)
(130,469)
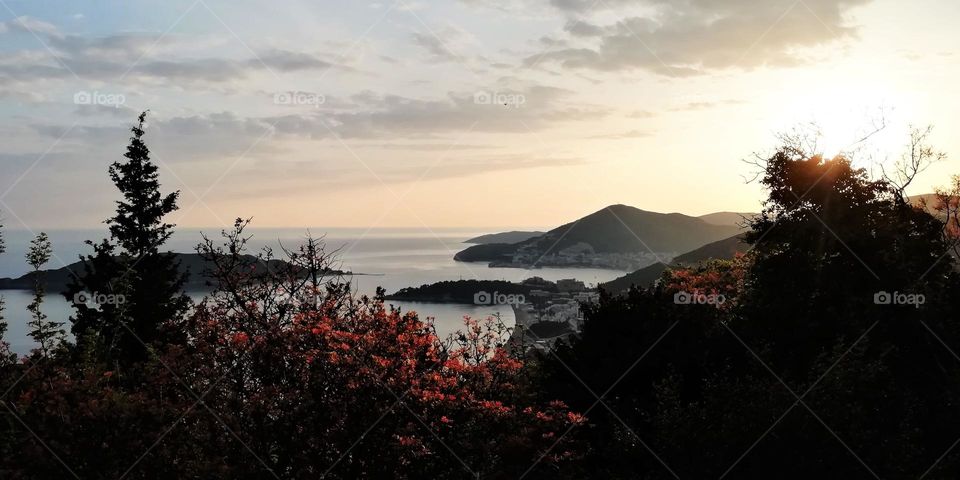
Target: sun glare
(866,125)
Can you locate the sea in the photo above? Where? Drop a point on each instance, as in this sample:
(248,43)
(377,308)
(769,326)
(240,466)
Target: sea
(392,258)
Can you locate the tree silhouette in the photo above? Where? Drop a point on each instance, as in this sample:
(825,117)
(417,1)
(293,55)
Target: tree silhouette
(3,321)
(47,334)
(5,355)
(802,317)
(130,266)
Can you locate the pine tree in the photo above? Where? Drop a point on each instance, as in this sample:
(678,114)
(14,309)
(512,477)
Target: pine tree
(47,334)
(146,283)
(138,226)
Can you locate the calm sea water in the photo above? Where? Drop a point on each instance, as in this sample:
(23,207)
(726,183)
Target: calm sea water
(391,258)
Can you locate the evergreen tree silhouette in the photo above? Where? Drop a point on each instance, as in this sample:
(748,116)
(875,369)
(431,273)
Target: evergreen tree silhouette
(47,334)
(144,284)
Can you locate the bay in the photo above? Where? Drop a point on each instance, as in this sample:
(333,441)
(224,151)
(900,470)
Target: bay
(392,258)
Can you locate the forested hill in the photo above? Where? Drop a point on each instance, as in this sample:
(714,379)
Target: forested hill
(513,236)
(625,229)
(614,229)
(727,218)
(458,291)
(723,250)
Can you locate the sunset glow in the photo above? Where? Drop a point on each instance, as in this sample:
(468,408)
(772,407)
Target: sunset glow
(480,239)
(275,115)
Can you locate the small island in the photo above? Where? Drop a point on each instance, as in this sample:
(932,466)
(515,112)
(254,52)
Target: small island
(545,311)
(193,265)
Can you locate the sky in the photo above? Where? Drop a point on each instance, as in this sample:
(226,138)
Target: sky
(456,113)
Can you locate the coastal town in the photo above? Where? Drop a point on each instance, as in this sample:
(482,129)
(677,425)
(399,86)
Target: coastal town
(551,312)
(545,311)
(582,255)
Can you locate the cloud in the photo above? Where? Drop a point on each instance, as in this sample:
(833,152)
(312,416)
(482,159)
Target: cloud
(25,96)
(178,139)
(511,7)
(145,57)
(480,165)
(442,45)
(366,115)
(699,36)
(213,124)
(622,135)
(579,28)
(278,178)
(428,147)
(118,111)
(641,114)
(25,24)
(434,46)
(120,47)
(287,61)
(398,116)
(92,133)
(553,42)
(460,112)
(583,6)
(704,105)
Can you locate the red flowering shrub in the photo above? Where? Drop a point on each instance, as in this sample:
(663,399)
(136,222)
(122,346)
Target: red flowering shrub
(946,205)
(717,278)
(354,389)
(351,391)
(63,420)
(285,374)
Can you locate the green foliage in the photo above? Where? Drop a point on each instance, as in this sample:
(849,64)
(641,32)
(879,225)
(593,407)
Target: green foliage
(138,226)
(39,252)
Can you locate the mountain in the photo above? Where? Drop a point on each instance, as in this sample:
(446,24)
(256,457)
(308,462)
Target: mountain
(514,236)
(618,236)
(927,202)
(726,218)
(723,249)
(56,280)
(642,277)
(917,200)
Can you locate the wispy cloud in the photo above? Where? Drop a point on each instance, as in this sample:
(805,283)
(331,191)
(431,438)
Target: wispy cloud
(689,38)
